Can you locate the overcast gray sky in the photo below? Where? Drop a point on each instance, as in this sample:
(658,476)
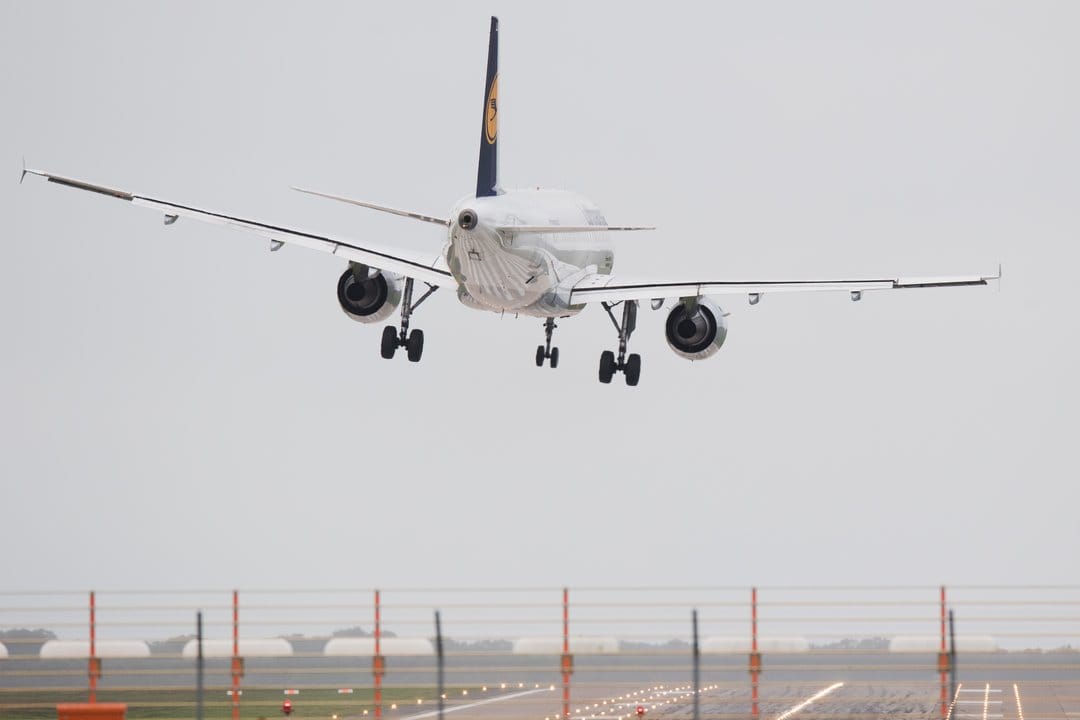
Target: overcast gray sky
(180,407)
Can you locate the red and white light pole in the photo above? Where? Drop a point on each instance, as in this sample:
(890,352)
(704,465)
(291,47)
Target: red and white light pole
(567,660)
(943,662)
(94,665)
(377,665)
(237,662)
(755,656)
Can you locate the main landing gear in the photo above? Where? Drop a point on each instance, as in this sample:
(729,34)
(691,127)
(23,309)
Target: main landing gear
(629,366)
(393,338)
(545,351)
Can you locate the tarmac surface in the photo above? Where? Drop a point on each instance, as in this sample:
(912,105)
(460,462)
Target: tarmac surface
(992,686)
(974,701)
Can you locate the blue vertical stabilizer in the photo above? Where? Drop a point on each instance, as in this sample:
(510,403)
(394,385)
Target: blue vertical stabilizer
(487,173)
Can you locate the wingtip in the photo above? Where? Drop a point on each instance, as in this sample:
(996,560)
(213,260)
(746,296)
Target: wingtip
(31,171)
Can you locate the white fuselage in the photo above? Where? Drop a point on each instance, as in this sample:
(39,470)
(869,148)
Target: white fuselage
(526,272)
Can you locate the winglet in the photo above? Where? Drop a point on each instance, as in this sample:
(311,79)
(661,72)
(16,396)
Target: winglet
(31,171)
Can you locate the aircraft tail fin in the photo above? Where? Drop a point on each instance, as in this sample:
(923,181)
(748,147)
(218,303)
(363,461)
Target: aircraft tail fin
(487,173)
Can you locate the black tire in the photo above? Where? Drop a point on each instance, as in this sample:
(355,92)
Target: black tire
(389,341)
(415,345)
(554,358)
(540,356)
(633,369)
(607,366)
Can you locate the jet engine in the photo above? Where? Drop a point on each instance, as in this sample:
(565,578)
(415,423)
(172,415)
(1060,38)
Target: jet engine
(695,328)
(370,299)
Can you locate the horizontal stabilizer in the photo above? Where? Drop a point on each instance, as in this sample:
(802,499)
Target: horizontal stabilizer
(380,208)
(568,228)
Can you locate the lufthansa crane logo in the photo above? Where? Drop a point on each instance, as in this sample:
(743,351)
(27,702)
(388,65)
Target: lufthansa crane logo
(491,112)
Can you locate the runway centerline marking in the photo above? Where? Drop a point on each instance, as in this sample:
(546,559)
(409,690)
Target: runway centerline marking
(478,703)
(817,696)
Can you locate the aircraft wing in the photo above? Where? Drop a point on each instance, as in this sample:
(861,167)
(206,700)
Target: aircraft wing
(607,288)
(429,268)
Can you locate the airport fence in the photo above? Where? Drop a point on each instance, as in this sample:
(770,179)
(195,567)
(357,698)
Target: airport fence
(545,653)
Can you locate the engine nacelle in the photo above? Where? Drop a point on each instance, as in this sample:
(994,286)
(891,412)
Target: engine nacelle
(698,332)
(372,300)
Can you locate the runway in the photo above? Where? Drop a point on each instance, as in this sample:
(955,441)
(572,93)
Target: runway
(1005,701)
(838,700)
(479,708)
(863,685)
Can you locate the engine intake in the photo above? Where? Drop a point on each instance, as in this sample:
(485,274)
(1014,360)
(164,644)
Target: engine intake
(371,300)
(695,332)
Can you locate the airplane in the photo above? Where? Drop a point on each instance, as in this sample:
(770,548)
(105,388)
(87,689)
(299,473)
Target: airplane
(533,252)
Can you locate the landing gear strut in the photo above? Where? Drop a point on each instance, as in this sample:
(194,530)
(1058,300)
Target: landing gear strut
(413,342)
(629,366)
(545,351)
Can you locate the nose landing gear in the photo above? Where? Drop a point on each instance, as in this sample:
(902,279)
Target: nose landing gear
(545,351)
(393,338)
(630,365)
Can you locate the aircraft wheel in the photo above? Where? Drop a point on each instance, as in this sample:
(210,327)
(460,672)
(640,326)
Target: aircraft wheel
(389,341)
(540,356)
(554,358)
(415,345)
(633,369)
(607,366)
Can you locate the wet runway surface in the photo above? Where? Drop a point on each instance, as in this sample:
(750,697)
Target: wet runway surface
(992,686)
(780,701)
